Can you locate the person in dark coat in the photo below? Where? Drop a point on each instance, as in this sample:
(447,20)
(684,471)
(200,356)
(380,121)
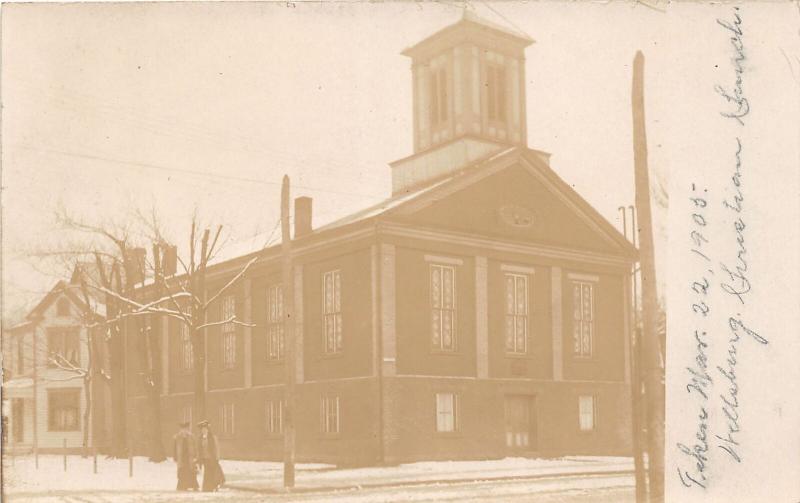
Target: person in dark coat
(185,455)
(208,456)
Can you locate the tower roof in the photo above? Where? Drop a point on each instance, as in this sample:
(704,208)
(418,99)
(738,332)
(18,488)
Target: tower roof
(469,27)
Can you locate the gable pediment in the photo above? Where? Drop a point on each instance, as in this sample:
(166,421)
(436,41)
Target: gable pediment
(515,200)
(46,308)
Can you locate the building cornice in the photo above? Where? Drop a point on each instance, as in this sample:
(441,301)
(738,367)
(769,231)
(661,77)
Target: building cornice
(553,252)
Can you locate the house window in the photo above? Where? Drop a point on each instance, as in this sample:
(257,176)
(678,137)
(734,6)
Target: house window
(332,311)
(274,415)
(228,332)
(62,307)
(227,419)
(446,412)
(516,313)
(586,412)
(582,318)
(185,349)
(62,408)
(496,92)
(443,307)
(63,347)
(275,320)
(438,96)
(329,414)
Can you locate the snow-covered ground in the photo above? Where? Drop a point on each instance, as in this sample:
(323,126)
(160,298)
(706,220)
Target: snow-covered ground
(156,481)
(21,475)
(266,477)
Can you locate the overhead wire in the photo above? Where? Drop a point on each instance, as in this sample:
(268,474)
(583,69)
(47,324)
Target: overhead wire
(159,167)
(191,132)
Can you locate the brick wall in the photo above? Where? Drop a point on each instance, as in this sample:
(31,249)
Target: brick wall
(356,443)
(410,420)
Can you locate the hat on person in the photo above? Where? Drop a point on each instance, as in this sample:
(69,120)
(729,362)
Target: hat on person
(203,423)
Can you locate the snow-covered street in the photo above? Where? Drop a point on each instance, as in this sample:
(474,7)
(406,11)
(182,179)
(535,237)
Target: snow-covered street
(520,479)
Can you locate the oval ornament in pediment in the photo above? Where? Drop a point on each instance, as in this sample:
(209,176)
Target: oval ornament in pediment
(517,216)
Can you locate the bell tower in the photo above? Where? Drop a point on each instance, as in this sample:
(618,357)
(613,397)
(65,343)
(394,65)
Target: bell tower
(469,79)
(468,90)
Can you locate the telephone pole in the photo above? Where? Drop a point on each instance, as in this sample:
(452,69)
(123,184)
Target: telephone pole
(653,372)
(635,364)
(288,331)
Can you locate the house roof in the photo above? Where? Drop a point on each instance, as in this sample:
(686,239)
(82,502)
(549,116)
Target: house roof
(471,17)
(61,287)
(471,23)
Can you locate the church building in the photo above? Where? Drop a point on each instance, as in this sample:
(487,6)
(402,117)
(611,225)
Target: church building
(481,311)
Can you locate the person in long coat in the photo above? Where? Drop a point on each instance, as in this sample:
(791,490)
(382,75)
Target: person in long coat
(208,456)
(185,455)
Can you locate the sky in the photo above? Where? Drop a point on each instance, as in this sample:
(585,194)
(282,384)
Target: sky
(109,109)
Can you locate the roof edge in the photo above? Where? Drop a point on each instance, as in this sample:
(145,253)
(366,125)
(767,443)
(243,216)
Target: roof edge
(471,21)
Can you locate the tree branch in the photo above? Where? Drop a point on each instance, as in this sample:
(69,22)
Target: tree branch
(186,318)
(231,282)
(149,308)
(211,248)
(70,378)
(232,319)
(66,365)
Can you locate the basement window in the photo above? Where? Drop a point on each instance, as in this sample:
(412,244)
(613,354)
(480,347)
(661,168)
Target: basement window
(446,412)
(329,414)
(274,417)
(587,411)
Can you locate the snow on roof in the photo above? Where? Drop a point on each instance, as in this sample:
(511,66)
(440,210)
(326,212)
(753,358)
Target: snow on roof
(384,205)
(229,250)
(270,239)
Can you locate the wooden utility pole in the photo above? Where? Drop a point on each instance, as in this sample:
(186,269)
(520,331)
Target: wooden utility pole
(653,372)
(35,399)
(641,413)
(288,331)
(636,383)
(198,319)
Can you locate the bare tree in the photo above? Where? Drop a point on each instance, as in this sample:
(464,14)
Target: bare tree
(118,267)
(140,291)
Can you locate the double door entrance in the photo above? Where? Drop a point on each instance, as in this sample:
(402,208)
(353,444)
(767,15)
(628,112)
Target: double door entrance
(520,418)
